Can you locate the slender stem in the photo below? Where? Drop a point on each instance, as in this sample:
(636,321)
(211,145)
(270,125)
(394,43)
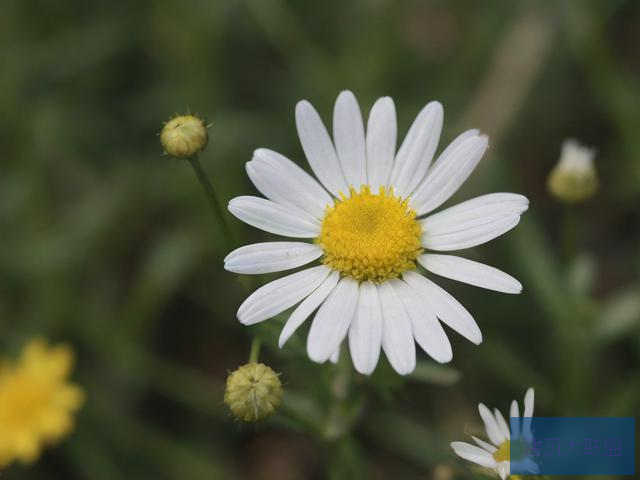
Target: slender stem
(569,233)
(217,209)
(255,350)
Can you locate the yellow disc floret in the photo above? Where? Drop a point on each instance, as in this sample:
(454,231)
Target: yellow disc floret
(503,454)
(370,237)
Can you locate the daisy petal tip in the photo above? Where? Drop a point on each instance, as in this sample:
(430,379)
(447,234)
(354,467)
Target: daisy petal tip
(303,107)
(303,104)
(529,398)
(344,94)
(524,203)
(364,369)
(405,370)
(315,352)
(436,105)
(260,152)
(317,357)
(475,337)
(446,358)
(455,445)
(232,203)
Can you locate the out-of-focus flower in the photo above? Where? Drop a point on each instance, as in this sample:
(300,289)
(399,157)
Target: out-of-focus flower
(443,472)
(36,401)
(574,178)
(366,216)
(253,392)
(497,455)
(184,136)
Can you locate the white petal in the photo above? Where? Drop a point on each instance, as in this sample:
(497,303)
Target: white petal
(307,307)
(381,142)
(473,222)
(417,149)
(530,466)
(515,412)
(348,135)
(502,423)
(445,307)
(271,257)
(459,140)
(318,148)
(332,321)
(426,328)
(503,470)
(528,403)
(528,413)
(365,332)
(275,297)
(470,272)
(449,172)
(487,446)
(490,425)
(397,337)
(474,454)
(284,182)
(272,217)
(335,357)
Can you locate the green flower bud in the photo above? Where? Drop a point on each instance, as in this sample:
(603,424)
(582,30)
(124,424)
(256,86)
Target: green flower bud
(574,178)
(253,392)
(184,136)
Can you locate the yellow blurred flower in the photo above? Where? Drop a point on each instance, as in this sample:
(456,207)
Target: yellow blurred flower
(36,401)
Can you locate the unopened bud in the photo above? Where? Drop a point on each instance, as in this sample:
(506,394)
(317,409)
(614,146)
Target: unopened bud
(184,136)
(253,392)
(574,178)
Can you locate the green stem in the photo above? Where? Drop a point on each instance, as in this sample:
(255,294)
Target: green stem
(217,209)
(569,233)
(255,350)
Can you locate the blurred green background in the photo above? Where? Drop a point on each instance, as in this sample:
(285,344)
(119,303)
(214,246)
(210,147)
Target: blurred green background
(109,246)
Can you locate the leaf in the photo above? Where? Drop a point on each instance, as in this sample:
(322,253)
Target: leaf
(619,315)
(581,274)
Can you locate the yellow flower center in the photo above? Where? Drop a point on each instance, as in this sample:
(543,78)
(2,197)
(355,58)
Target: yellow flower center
(370,237)
(503,454)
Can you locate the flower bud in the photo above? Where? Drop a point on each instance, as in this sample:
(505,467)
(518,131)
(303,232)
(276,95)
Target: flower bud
(253,392)
(574,178)
(184,136)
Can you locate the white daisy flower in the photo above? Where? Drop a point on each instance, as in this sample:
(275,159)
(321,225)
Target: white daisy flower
(367,218)
(498,454)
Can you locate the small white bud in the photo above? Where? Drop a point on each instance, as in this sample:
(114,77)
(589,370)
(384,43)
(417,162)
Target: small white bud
(574,178)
